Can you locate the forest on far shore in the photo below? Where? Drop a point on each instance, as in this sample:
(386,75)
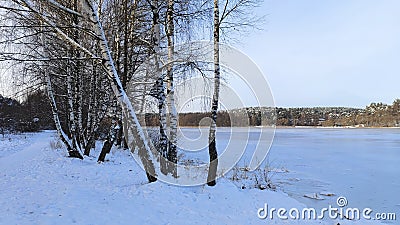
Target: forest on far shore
(34,114)
(373,115)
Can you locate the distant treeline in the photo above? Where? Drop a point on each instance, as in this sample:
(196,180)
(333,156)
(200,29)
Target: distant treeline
(31,115)
(374,115)
(192,119)
(236,118)
(35,114)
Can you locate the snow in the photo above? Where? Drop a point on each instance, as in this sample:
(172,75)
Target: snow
(315,196)
(11,144)
(40,185)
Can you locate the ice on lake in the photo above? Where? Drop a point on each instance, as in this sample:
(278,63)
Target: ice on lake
(362,165)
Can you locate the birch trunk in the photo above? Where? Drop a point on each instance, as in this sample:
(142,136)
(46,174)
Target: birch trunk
(121,139)
(71,115)
(78,103)
(72,152)
(112,75)
(78,82)
(172,151)
(160,89)
(90,115)
(64,138)
(129,113)
(212,149)
(91,123)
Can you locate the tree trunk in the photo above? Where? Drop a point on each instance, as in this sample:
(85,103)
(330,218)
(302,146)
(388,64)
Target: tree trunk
(163,143)
(127,108)
(108,65)
(71,115)
(172,151)
(105,150)
(64,138)
(121,138)
(212,148)
(108,144)
(90,122)
(89,145)
(72,152)
(119,133)
(125,132)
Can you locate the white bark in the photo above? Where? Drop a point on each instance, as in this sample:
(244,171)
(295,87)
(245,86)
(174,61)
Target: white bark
(109,67)
(64,138)
(173,115)
(92,89)
(128,110)
(212,150)
(73,152)
(160,88)
(71,113)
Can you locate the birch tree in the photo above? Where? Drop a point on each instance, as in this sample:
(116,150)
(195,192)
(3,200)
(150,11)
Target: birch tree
(96,47)
(123,20)
(155,7)
(212,149)
(71,147)
(90,12)
(128,110)
(235,15)
(173,120)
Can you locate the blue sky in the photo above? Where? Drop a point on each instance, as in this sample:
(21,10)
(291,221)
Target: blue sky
(329,52)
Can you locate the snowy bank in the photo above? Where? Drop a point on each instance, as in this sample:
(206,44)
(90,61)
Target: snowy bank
(40,185)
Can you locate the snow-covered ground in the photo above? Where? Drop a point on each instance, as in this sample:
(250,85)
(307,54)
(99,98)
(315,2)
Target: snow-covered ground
(40,185)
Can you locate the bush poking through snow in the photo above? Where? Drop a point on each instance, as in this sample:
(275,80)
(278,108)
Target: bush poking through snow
(56,144)
(246,179)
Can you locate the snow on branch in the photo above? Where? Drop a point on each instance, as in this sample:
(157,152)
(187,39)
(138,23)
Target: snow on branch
(63,8)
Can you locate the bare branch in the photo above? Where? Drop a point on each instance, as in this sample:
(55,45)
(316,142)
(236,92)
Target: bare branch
(63,8)
(41,16)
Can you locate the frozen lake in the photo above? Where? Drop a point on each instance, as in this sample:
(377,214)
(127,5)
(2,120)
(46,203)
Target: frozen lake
(362,165)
